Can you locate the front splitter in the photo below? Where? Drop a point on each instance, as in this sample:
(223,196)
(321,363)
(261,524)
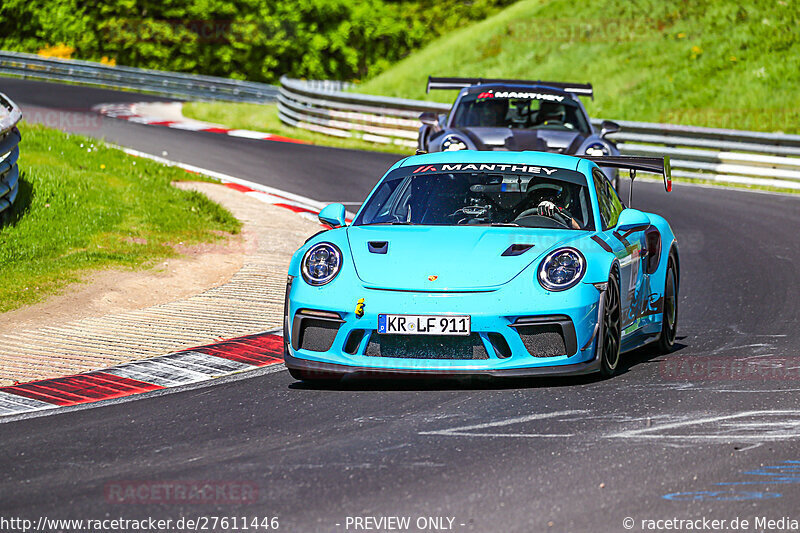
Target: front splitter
(311,369)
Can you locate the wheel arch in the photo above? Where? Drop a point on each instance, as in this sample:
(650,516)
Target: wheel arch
(673,252)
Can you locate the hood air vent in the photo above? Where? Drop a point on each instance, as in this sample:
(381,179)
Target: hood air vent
(517,249)
(378,247)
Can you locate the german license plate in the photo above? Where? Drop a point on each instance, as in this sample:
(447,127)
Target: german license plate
(424,324)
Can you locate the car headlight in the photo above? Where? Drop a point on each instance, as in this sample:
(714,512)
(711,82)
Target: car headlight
(597,149)
(562,269)
(321,263)
(452,143)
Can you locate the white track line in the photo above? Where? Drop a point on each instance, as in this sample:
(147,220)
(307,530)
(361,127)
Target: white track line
(302,201)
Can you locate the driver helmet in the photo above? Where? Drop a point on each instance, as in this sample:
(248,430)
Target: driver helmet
(492,112)
(548,192)
(551,112)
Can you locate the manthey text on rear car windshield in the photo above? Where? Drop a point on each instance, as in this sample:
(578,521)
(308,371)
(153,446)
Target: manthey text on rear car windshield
(528,110)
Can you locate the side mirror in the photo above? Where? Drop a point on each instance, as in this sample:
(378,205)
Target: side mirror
(429,118)
(607,127)
(333,215)
(632,218)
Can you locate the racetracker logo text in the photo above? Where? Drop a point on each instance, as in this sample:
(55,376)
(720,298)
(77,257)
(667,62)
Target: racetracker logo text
(181,492)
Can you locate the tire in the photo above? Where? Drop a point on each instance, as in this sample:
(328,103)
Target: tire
(669,323)
(317,378)
(610,343)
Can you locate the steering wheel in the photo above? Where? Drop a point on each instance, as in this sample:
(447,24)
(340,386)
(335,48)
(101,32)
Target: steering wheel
(471,213)
(557,216)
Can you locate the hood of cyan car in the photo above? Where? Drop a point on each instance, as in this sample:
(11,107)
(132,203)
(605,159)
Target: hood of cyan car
(447,258)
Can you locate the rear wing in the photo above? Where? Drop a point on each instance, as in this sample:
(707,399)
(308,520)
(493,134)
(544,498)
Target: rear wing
(657,165)
(583,89)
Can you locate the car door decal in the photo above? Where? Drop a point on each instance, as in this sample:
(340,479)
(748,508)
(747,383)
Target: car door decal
(603,244)
(645,302)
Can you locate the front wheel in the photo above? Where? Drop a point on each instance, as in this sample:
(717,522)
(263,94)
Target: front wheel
(609,343)
(669,323)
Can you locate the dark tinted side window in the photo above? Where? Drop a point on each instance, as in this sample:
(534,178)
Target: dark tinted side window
(385,190)
(610,204)
(614,202)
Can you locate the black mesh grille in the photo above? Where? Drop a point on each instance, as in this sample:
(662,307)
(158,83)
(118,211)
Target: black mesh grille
(544,340)
(426,346)
(317,335)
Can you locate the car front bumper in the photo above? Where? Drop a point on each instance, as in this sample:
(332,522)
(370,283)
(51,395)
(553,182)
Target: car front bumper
(342,342)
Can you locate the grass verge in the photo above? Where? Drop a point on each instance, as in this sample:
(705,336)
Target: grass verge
(709,63)
(264,117)
(83,206)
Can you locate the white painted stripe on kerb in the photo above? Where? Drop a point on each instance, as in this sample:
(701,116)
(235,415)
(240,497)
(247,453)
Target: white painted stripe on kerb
(11,404)
(179,368)
(249,134)
(158,372)
(205,363)
(188,126)
(142,120)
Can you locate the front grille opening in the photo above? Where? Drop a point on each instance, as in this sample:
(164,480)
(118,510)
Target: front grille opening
(354,341)
(426,346)
(317,335)
(500,345)
(543,340)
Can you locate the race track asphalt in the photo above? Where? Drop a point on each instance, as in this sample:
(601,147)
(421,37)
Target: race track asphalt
(656,442)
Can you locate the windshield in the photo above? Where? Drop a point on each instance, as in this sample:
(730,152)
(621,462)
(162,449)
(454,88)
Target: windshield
(480,198)
(496,109)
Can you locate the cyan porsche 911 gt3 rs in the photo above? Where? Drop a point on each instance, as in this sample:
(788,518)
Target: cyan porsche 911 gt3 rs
(498,263)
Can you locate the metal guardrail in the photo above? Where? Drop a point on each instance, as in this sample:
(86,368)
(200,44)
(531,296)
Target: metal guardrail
(747,157)
(158,82)
(10,137)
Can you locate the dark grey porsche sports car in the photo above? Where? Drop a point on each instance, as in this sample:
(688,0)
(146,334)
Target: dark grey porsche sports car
(497,114)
